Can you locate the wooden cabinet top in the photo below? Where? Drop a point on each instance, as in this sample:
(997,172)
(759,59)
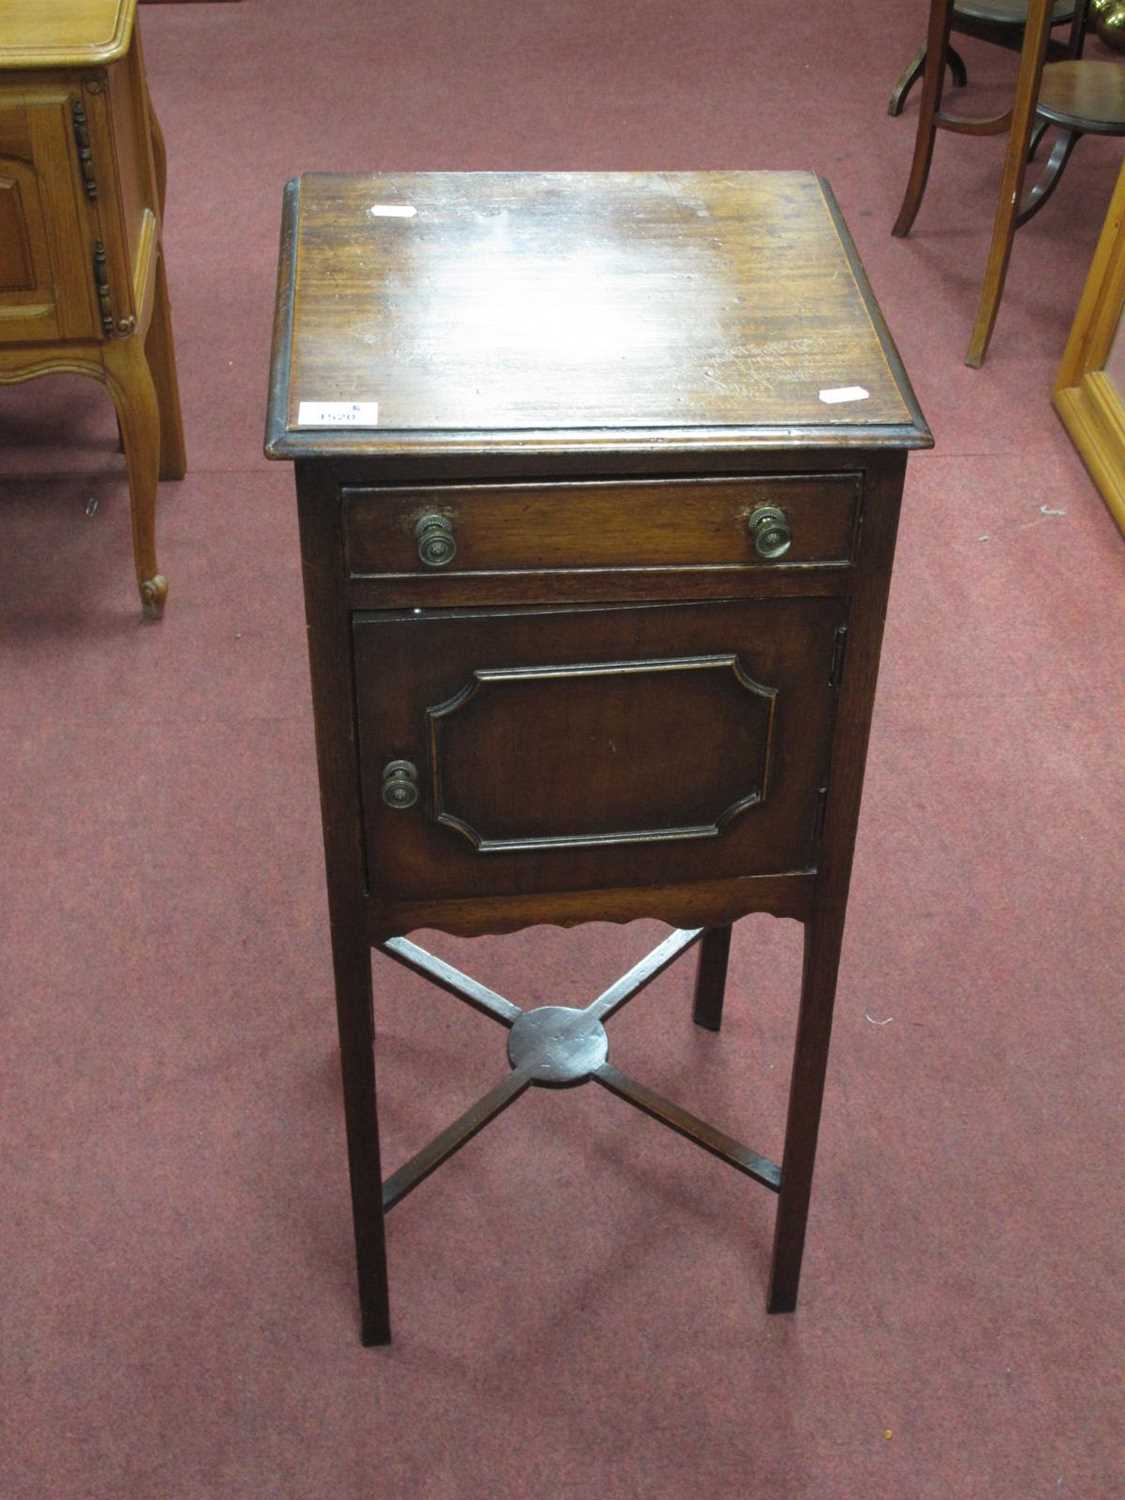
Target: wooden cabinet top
(479,311)
(64,33)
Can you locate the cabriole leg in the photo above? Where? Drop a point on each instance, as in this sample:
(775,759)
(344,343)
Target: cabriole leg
(138,413)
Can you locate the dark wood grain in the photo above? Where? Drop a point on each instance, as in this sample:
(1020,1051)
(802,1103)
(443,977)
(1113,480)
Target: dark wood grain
(610,1001)
(604,707)
(690,1126)
(445,977)
(459,1134)
(631,524)
(327,612)
(1087,96)
(645,772)
(711,977)
(691,903)
(561,307)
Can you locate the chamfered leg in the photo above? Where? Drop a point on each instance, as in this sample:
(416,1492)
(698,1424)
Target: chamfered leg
(823,938)
(352,964)
(711,977)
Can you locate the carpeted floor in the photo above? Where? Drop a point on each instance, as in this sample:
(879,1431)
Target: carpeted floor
(579,1296)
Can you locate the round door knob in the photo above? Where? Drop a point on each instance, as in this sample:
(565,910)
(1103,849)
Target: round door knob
(769,527)
(400,784)
(436,544)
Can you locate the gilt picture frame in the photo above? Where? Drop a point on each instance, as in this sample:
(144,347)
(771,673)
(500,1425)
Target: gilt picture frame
(1089,393)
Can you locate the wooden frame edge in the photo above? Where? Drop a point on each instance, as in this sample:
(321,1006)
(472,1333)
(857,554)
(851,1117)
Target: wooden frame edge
(1087,400)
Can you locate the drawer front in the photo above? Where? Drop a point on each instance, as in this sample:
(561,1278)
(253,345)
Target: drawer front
(672,523)
(520,751)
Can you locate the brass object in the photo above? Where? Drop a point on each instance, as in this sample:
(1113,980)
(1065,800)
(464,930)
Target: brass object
(85,155)
(769,529)
(400,784)
(126,326)
(94,84)
(1110,23)
(101,283)
(436,545)
(154,591)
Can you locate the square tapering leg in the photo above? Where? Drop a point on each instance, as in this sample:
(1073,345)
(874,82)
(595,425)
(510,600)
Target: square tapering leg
(357,1063)
(823,939)
(711,977)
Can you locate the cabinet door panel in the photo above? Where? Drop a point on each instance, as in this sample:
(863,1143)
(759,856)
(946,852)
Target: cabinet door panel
(46,245)
(558,749)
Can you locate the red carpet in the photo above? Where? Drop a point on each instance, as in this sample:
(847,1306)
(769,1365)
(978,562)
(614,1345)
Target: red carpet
(578,1298)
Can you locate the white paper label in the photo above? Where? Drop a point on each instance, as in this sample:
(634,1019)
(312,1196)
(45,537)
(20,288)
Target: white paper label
(844,393)
(338,414)
(392,211)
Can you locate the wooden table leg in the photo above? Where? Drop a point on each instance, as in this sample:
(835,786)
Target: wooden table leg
(711,977)
(352,964)
(823,937)
(138,412)
(162,362)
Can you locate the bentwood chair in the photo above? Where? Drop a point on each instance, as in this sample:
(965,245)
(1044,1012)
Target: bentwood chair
(1079,97)
(1000,22)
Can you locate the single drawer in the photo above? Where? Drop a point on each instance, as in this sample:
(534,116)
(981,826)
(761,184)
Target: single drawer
(775,521)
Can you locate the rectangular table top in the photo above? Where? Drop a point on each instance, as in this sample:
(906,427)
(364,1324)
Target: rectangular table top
(64,33)
(444,310)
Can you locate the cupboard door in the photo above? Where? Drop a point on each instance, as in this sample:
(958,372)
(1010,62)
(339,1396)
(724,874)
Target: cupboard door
(47,246)
(509,751)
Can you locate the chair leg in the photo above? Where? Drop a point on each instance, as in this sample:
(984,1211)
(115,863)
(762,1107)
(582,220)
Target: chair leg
(1042,190)
(913,71)
(711,977)
(823,937)
(162,361)
(910,76)
(937,48)
(1078,29)
(1011,180)
(138,413)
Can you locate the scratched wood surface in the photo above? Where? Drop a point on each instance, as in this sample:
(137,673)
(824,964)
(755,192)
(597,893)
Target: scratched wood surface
(489,302)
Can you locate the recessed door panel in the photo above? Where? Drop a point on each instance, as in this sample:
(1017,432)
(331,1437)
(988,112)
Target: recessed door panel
(46,243)
(559,749)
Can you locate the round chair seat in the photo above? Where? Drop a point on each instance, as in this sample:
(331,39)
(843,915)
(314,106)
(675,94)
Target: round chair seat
(1087,96)
(1010,12)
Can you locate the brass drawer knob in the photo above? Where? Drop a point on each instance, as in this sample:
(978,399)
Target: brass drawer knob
(769,527)
(400,784)
(436,544)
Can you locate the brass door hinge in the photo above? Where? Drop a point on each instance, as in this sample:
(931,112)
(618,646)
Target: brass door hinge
(101,285)
(85,155)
